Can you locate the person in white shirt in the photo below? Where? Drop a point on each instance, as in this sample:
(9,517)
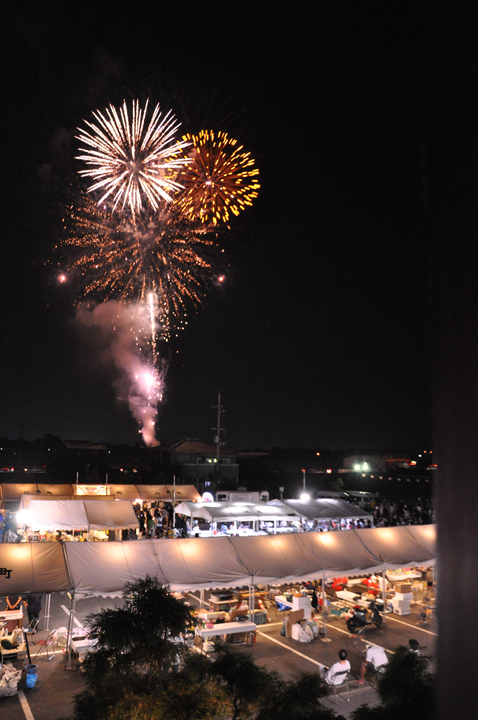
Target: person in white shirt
(342,664)
(375,658)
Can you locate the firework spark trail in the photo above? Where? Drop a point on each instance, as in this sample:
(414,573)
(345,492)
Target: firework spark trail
(132,258)
(145,250)
(137,167)
(140,382)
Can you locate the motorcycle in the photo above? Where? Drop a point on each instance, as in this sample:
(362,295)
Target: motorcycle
(359,617)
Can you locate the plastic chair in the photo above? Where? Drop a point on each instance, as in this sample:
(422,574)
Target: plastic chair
(342,678)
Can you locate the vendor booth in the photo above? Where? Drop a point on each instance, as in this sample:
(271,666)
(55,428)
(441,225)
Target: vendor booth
(239,518)
(323,511)
(220,563)
(96,517)
(223,562)
(14,492)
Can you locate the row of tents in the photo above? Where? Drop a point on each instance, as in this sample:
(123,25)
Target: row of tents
(211,563)
(98,514)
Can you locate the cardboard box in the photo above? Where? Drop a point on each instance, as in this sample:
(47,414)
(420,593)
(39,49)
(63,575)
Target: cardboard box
(402,610)
(402,587)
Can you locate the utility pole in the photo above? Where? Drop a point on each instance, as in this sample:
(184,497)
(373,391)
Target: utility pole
(218,428)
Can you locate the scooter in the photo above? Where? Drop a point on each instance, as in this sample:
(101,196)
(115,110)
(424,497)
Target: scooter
(359,618)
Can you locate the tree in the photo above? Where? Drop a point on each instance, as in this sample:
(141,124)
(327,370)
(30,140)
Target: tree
(248,684)
(301,700)
(405,689)
(135,647)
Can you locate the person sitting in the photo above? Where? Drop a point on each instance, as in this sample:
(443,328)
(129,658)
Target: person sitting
(331,675)
(414,647)
(374,661)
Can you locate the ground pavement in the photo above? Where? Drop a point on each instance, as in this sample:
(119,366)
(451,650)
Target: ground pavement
(52,696)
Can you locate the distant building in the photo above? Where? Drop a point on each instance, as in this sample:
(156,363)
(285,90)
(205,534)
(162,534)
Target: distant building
(196,462)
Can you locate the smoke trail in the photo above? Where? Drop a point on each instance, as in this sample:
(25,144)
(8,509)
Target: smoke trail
(129,341)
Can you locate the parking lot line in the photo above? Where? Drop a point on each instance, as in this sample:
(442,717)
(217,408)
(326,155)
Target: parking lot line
(268,637)
(413,627)
(77,622)
(25,706)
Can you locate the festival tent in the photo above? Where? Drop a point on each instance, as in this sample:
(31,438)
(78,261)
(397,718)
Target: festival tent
(324,509)
(211,563)
(78,514)
(13,492)
(168,492)
(33,568)
(235,511)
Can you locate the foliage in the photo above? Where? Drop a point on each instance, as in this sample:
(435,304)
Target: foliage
(337,485)
(249,685)
(135,647)
(405,689)
(301,700)
(128,678)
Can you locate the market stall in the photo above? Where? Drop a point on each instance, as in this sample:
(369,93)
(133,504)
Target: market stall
(96,517)
(223,562)
(323,511)
(238,518)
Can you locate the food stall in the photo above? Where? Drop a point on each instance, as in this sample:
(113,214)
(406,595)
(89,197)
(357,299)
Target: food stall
(69,520)
(237,518)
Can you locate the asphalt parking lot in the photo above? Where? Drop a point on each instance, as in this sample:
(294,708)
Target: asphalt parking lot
(52,696)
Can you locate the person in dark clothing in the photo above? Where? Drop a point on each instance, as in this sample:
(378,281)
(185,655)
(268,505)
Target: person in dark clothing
(33,606)
(314,601)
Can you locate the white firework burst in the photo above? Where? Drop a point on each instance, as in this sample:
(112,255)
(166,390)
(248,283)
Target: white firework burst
(133,164)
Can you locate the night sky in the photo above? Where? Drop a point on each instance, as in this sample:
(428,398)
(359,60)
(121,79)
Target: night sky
(320,334)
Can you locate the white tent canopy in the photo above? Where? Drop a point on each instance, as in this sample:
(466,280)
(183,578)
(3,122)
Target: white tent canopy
(229,512)
(78,514)
(222,562)
(324,509)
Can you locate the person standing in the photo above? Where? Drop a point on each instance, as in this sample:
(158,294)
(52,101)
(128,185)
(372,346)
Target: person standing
(32,604)
(14,603)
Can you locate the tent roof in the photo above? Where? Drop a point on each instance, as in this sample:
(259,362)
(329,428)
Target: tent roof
(79,514)
(15,491)
(39,491)
(222,562)
(324,509)
(166,492)
(217,511)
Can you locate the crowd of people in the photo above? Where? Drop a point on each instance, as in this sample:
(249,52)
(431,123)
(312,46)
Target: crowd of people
(403,512)
(162,522)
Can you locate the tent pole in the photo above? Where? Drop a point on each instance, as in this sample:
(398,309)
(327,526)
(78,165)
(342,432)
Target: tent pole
(384,581)
(201,598)
(70,629)
(47,612)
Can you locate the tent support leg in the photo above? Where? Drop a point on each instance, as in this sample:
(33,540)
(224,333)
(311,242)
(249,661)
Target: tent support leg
(46,619)
(201,598)
(384,582)
(70,630)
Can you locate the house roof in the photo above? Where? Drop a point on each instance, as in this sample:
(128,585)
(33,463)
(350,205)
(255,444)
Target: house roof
(193,446)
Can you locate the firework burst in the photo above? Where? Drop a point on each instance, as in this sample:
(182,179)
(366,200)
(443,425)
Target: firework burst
(132,163)
(220,179)
(143,242)
(157,259)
